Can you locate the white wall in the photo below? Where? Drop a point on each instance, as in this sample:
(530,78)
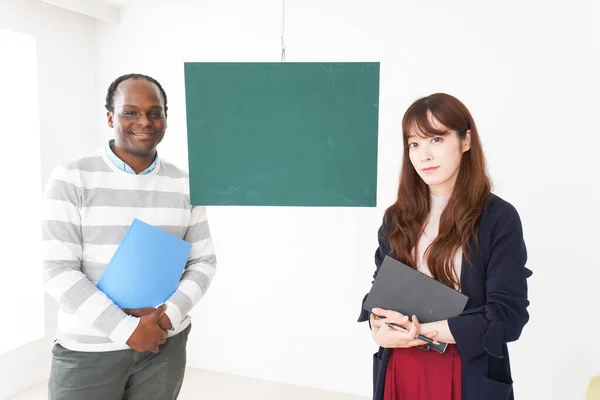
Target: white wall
(20,63)
(66,54)
(284,302)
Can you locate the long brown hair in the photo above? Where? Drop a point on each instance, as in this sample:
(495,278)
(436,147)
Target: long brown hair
(406,218)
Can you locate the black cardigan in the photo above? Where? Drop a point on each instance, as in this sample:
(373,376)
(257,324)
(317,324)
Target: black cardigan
(495,281)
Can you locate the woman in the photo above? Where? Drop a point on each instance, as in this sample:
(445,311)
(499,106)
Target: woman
(447,224)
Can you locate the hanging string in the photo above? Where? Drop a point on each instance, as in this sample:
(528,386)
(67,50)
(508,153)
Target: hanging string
(282,31)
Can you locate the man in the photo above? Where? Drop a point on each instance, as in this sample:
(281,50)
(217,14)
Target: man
(101,351)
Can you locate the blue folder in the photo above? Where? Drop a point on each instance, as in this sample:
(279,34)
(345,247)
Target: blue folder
(146,268)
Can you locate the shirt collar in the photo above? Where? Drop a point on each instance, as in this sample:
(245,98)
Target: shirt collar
(122,165)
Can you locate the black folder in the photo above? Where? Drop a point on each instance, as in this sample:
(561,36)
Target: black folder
(401,288)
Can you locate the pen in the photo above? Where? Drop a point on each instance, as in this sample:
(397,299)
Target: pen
(440,347)
(418,335)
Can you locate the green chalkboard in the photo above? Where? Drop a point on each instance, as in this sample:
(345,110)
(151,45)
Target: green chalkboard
(282,134)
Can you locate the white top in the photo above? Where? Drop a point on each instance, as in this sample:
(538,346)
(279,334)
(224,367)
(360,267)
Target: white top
(438,203)
(88,206)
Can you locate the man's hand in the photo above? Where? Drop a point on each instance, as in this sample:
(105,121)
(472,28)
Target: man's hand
(148,335)
(139,312)
(164,322)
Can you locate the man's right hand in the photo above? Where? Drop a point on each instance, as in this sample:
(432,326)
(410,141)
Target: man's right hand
(148,335)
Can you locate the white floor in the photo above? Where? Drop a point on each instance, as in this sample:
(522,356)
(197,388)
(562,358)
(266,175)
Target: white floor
(209,385)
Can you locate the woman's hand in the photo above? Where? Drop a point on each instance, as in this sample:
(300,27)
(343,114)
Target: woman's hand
(388,337)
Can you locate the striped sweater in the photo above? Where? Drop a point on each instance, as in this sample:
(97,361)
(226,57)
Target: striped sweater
(89,205)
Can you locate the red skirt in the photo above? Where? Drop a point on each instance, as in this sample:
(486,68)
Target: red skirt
(416,374)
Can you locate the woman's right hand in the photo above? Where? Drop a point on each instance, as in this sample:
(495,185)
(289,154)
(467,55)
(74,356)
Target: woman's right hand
(376,323)
(388,337)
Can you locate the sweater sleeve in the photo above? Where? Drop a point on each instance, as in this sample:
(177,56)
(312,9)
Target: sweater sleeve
(62,253)
(199,271)
(380,254)
(487,328)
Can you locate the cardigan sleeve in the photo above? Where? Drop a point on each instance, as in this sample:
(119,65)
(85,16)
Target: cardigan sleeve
(487,328)
(380,254)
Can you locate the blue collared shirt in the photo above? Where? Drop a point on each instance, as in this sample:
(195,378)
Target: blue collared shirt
(122,165)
